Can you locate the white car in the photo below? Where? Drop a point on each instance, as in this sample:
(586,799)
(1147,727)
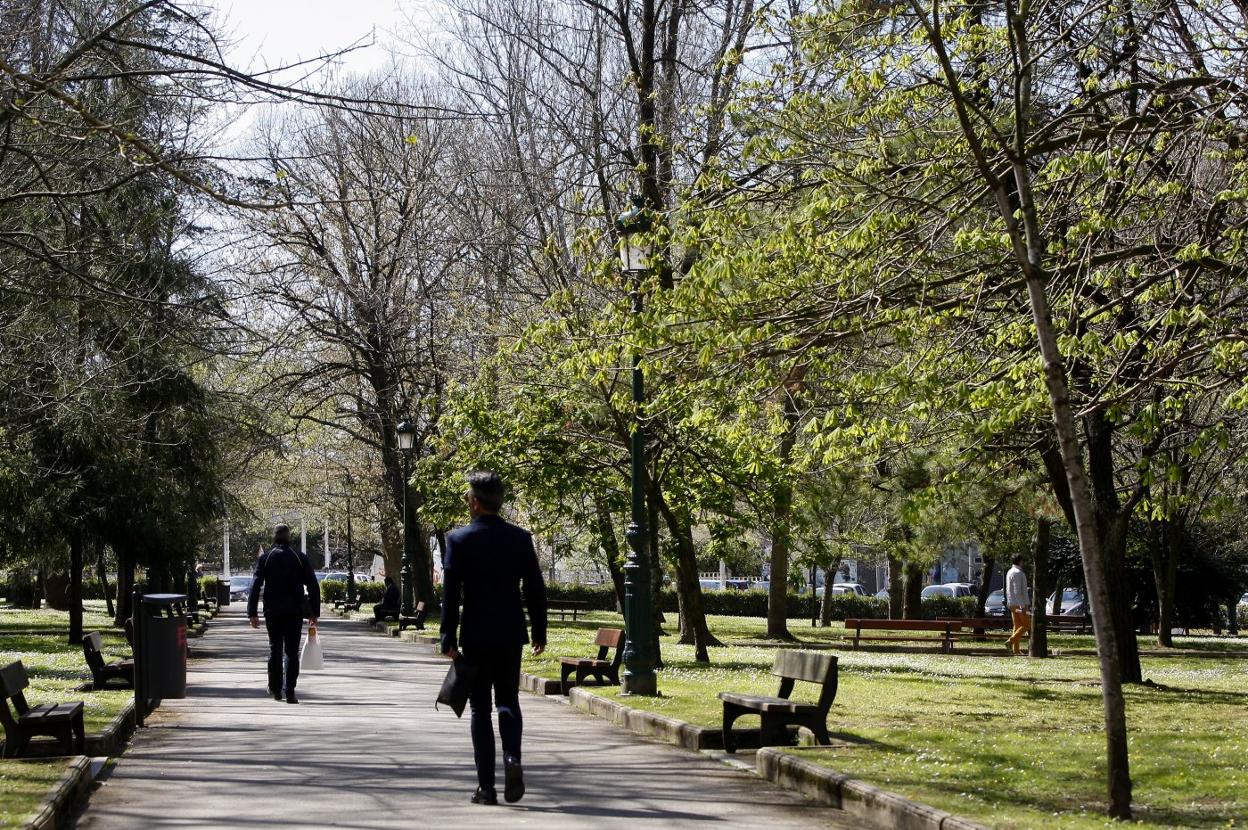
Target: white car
(949,589)
(844,588)
(1073,603)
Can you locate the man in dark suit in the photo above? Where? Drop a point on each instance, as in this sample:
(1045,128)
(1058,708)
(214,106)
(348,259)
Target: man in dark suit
(491,564)
(284,573)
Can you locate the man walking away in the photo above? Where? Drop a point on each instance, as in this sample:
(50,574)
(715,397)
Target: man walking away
(1018,600)
(491,564)
(284,573)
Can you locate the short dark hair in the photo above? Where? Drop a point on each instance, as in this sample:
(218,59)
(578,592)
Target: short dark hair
(281,535)
(487,488)
(1018,559)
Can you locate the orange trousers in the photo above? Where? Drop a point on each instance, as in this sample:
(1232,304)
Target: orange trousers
(1022,625)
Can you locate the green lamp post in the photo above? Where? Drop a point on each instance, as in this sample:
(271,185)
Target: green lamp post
(405,435)
(633,226)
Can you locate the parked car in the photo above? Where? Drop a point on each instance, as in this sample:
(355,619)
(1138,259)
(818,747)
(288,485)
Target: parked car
(240,587)
(994,606)
(844,588)
(1074,603)
(882,593)
(711,584)
(336,576)
(949,589)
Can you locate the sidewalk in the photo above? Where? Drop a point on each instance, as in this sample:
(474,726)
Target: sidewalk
(366,749)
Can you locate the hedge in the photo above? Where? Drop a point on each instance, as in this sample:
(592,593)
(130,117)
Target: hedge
(753,603)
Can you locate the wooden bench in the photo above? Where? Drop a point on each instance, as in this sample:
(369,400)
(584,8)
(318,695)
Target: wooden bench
(779,712)
(62,721)
(922,631)
(1076,625)
(566,606)
(983,628)
(605,672)
(102,672)
(416,621)
(347,605)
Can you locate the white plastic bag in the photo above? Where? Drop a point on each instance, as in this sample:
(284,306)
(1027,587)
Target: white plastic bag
(311,657)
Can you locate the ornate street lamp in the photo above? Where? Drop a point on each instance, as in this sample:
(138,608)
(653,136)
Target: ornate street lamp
(347,483)
(405,435)
(634,226)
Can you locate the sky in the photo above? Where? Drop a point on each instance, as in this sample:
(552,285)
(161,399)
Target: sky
(270,32)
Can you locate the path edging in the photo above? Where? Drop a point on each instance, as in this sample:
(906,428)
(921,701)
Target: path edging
(72,788)
(835,789)
(859,799)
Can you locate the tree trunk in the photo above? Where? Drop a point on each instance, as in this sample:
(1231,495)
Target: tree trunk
(75,587)
(781,530)
(825,609)
(656,575)
(101,573)
(1164,552)
(611,550)
(896,588)
(985,584)
(913,607)
(694,630)
(1039,646)
(56,590)
(125,588)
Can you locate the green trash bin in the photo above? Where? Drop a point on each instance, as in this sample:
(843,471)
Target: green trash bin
(159,650)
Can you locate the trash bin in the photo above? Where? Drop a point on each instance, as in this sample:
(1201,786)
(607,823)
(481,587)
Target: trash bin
(159,650)
(223,592)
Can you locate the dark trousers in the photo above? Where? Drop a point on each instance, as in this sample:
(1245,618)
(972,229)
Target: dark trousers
(498,670)
(381,609)
(284,633)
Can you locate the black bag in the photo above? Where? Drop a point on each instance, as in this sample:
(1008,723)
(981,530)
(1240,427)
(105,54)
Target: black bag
(457,685)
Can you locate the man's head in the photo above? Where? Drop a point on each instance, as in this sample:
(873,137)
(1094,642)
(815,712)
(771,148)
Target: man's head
(281,535)
(485,492)
(389,580)
(1018,559)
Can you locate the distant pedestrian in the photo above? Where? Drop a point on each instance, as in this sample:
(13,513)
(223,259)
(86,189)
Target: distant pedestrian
(389,600)
(1018,600)
(284,573)
(491,564)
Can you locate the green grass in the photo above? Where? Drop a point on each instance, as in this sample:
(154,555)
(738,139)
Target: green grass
(1009,742)
(55,667)
(23,785)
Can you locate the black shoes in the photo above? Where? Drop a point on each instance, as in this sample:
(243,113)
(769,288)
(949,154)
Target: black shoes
(290,698)
(277,693)
(513,777)
(483,796)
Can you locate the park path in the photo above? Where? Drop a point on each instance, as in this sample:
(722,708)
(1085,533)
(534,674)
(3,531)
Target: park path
(366,749)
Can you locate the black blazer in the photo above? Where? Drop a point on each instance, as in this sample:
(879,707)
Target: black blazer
(489,564)
(283,573)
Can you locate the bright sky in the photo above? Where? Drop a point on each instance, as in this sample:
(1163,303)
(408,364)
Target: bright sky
(273,32)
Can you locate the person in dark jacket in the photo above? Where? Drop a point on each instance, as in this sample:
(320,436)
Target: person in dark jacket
(389,600)
(491,565)
(284,574)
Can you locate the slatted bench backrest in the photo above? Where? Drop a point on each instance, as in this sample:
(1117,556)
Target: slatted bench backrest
(813,667)
(13,683)
(903,625)
(92,643)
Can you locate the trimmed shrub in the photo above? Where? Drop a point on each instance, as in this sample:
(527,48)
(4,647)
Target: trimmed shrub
(934,607)
(333,590)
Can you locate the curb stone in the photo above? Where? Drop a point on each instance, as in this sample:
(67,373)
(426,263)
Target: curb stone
(835,789)
(59,804)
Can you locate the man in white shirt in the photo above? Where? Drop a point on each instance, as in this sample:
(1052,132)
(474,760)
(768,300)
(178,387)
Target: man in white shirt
(1018,600)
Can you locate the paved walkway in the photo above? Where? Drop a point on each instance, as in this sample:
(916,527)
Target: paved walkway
(366,749)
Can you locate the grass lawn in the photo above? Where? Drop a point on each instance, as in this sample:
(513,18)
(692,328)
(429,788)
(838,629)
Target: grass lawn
(23,784)
(55,667)
(1009,742)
